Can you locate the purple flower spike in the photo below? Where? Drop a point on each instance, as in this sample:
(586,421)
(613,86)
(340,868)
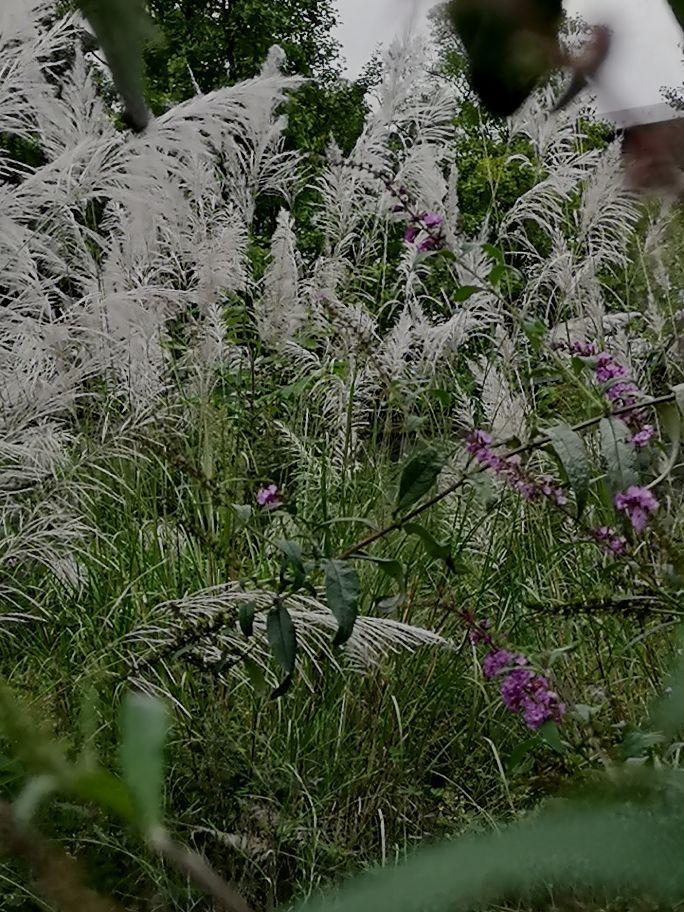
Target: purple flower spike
(514,687)
(607,368)
(638,504)
(479,445)
(431,219)
(479,632)
(621,392)
(269,497)
(613,543)
(642,437)
(430,243)
(411,234)
(499,660)
(584,349)
(523,690)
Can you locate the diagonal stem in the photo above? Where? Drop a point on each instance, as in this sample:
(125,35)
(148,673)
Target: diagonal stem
(535,444)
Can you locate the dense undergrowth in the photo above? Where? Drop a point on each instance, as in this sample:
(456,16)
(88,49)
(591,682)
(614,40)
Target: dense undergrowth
(163,360)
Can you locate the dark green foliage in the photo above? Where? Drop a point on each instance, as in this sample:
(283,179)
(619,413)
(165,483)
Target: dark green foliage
(212,43)
(510,46)
(418,475)
(342,591)
(144,725)
(122,27)
(282,638)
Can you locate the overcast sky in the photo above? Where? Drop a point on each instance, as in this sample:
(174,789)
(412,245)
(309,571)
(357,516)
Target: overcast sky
(645,54)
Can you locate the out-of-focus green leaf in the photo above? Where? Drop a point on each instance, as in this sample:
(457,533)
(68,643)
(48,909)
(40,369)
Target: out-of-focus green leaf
(623,846)
(144,726)
(122,27)
(255,673)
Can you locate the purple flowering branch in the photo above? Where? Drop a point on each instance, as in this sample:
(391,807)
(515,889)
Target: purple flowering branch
(636,502)
(618,389)
(523,690)
(538,442)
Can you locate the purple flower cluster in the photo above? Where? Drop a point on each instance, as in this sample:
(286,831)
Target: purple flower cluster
(509,468)
(583,349)
(522,689)
(613,542)
(427,225)
(269,497)
(619,390)
(638,504)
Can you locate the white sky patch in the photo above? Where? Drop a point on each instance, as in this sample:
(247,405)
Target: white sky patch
(646,53)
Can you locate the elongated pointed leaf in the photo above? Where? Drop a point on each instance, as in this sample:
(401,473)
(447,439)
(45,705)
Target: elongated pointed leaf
(255,673)
(342,591)
(144,726)
(122,27)
(293,557)
(679,389)
(678,10)
(418,475)
(438,550)
(246,618)
(282,638)
(621,847)
(618,455)
(670,420)
(572,455)
(392,568)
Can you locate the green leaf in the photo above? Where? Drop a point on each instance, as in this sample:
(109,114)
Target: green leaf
(99,787)
(444,397)
(292,552)
(246,613)
(618,455)
(535,330)
(255,673)
(282,638)
(242,511)
(387,603)
(292,556)
(618,846)
(419,474)
(550,735)
(497,273)
(495,253)
(521,752)
(122,28)
(679,394)
(464,292)
(572,455)
(144,726)
(439,550)
(637,743)
(342,591)
(392,568)
(670,419)
(283,687)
